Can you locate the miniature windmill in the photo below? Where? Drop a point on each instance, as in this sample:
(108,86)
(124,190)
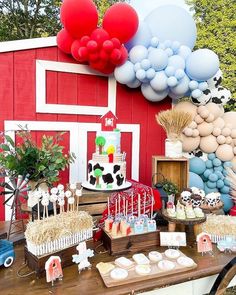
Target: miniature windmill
(15,190)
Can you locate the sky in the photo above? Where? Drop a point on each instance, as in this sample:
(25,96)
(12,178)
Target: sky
(144,10)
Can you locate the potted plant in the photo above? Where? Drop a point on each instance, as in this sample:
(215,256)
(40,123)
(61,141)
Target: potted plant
(170,188)
(42,162)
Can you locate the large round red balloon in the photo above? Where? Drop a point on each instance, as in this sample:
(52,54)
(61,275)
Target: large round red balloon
(80,17)
(64,41)
(121,21)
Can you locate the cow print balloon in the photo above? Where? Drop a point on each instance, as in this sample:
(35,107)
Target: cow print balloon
(203,99)
(215,81)
(220,95)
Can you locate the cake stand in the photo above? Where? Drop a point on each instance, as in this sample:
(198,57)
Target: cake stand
(88,186)
(190,224)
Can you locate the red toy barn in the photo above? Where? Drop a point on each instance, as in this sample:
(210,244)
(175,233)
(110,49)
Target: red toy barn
(44,88)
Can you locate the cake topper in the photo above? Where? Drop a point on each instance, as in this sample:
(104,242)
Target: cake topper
(108,121)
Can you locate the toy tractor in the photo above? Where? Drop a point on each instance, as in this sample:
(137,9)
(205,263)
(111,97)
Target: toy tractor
(7,253)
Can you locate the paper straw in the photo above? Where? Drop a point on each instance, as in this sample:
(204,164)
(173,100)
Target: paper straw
(108,206)
(116,209)
(126,212)
(119,204)
(152,207)
(144,205)
(132,204)
(138,205)
(123,201)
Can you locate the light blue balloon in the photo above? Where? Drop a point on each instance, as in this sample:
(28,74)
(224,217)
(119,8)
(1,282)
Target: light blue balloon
(177,62)
(175,46)
(159,82)
(209,190)
(172,81)
(158,59)
(150,74)
(211,156)
(209,164)
(167,43)
(182,87)
(179,74)
(135,84)
(197,165)
(203,86)
(225,189)
(220,183)
(141,75)
(173,23)
(142,37)
(218,168)
(138,53)
(150,48)
(228,164)
(145,64)
(220,175)
(195,180)
(154,42)
(213,177)
(228,202)
(207,173)
(184,51)
(152,95)
(137,66)
(170,71)
(217,162)
(125,73)
(174,97)
(211,184)
(226,182)
(161,46)
(169,51)
(193,85)
(196,93)
(202,64)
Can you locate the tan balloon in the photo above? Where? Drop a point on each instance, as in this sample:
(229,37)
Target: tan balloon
(198,119)
(230,118)
(226,131)
(190,143)
(192,125)
(205,128)
(221,139)
(216,131)
(233,133)
(219,122)
(225,152)
(228,140)
(204,114)
(233,161)
(210,118)
(214,109)
(208,144)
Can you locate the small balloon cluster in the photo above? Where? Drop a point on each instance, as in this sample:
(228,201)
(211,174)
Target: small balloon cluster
(102,48)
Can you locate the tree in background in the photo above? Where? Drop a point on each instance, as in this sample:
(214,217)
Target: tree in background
(216,28)
(23,19)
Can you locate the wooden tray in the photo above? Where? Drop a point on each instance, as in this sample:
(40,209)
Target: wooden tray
(154,274)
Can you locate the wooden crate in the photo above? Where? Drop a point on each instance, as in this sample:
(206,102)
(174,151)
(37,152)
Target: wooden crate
(93,202)
(131,243)
(173,169)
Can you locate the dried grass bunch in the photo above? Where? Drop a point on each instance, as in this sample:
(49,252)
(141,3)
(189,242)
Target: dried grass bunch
(219,225)
(174,122)
(55,227)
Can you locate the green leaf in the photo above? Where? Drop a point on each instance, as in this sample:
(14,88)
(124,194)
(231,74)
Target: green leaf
(5,147)
(10,140)
(41,168)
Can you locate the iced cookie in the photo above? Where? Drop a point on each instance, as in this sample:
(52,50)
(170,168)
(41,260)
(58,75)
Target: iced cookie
(155,256)
(172,254)
(141,259)
(166,265)
(143,269)
(185,261)
(104,268)
(119,274)
(124,262)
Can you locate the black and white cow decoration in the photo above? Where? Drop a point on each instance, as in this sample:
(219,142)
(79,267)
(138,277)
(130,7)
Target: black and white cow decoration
(220,95)
(212,199)
(203,99)
(216,80)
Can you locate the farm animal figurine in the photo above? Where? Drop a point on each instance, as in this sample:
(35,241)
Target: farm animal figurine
(53,269)
(82,258)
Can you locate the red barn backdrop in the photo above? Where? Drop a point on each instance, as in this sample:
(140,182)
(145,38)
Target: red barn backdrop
(60,97)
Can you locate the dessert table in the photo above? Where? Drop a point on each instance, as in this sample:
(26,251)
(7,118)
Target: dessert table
(89,282)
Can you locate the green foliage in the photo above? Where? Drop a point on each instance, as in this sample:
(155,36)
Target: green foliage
(97,172)
(216,27)
(100,141)
(42,163)
(169,187)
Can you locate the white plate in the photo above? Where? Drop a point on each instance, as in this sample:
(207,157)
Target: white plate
(124,262)
(141,259)
(118,274)
(155,256)
(166,265)
(185,261)
(89,186)
(143,269)
(172,253)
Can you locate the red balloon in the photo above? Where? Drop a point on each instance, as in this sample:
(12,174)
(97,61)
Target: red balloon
(108,46)
(80,17)
(104,55)
(115,56)
(93,57)
(124,55)
(84,40)
(99,35)
(75,49)
(116,42)
(109,68)
(92,46)
(83,53)
(98,65)
(64,41)
(121,21)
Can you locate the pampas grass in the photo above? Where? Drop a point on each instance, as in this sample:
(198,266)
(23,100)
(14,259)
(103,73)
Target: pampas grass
(174,122)
(231,177)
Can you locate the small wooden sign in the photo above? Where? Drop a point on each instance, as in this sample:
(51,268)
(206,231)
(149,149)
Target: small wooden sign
(173,239)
